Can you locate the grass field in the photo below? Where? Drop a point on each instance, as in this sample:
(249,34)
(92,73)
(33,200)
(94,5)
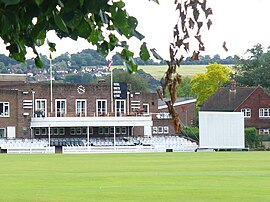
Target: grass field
(186,70)
(192,177)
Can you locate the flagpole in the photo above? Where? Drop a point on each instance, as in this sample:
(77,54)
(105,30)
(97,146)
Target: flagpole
(51,86)
(112,90)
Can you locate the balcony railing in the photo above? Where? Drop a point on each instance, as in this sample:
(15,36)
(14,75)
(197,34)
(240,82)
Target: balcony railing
(93,114)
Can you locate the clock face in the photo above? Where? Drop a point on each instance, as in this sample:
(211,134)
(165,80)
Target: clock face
(81,89)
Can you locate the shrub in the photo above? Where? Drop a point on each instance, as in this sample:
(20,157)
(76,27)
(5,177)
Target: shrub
(251,138)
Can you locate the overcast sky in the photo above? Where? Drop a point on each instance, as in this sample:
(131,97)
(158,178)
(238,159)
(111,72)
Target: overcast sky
(241,23)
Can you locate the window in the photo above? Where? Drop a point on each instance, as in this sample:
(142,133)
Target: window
(106,130)
(3,133)
(120,107)
(100,130)
(78,131)
(124,130)
(43,131)
(166,129)
(4,109)
(264,112)
(84,130)
(111,130)
(61,131)
(60,107)
(247,112)
(146,109)
(101,107)
(41,107)
(55,131)
(264,131)
(72,131)
(154,130)
(117,130)
(91,130)
(81,107)
(37,131)
(160,129)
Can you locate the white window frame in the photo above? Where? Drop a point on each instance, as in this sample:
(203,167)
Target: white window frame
(45,107)
(91,130)
(60,112)
(264,131)
(43,131)
(120,111)
(72,131)
(155,131)
(37,131)
(84,130)
(264,113)
(5,132)
(147,108)
(5,113)
(103,109)
(106,130)
(247,112)
(166,129)
(79,111)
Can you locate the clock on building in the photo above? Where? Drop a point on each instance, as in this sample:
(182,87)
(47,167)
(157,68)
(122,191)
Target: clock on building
(81,89)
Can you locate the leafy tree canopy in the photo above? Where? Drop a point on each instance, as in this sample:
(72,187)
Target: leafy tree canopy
(204,85)
(24,23)
(253,71)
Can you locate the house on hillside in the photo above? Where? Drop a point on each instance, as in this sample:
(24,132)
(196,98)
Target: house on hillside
(254,102)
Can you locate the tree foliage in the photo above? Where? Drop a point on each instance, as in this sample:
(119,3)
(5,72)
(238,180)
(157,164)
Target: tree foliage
(185,89)
(103,23)
(253,71)
(136,81)
(206,84)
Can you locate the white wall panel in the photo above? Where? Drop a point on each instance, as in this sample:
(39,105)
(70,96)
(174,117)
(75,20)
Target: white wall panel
(221,130)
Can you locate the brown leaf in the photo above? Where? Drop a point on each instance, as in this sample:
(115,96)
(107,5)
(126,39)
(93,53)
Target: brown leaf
(186,46)
(195,55)
(191,23)
(208,12)
(201,47)
(209,23)
(199,24)
(198,37)
(224,46)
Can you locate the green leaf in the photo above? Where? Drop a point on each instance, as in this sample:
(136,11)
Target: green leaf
(84,29)
(132,22)
(60,23)
(10,2)
(38,62)
(157,56)
(144,54)
(51,45)
(39,2)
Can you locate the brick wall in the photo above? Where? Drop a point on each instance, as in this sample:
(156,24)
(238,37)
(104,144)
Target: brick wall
(258,99)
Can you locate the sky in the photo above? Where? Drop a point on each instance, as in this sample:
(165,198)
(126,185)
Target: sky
(241,23)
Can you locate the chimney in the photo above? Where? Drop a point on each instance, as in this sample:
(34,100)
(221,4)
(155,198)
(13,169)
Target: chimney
(233,86)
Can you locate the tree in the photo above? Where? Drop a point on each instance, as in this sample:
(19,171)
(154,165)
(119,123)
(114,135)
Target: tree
(253,71)
(204,85)
(185,89)
(25,23)
(135,80)
(103,23)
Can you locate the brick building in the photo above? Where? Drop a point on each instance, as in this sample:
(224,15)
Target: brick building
(35,110)
(254,102)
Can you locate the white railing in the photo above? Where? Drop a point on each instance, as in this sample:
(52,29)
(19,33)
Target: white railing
(105,149)
(31,150)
